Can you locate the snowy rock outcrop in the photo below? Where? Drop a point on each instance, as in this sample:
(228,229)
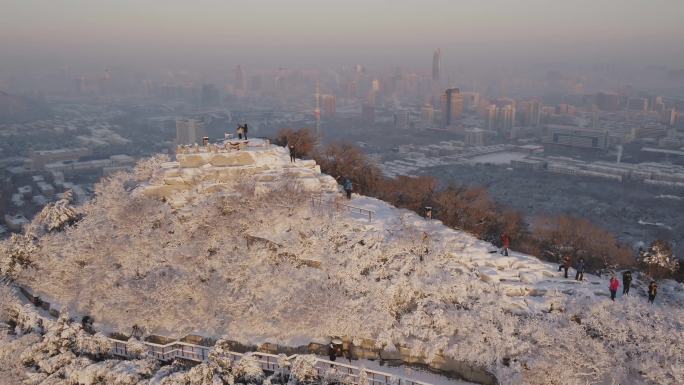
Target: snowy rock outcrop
(218,169)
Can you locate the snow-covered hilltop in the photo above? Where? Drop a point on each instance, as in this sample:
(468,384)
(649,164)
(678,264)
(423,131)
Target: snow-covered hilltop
(229,242)
(215,169)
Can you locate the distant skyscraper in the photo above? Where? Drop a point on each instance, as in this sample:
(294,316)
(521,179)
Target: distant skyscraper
(679,121)
(501,119)
(474,137)
(427,115)
(470,100)
(490,117)
(608,101)
(452,107)
(368,113)
(328,105)
(317,111)
(239,78)
(669,117)
(505,118)
(402,119)
(188,131)
(375,85)
(637,104)
(436,64)
(531,112)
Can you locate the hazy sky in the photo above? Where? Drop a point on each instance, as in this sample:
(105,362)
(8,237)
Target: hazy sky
(301,32)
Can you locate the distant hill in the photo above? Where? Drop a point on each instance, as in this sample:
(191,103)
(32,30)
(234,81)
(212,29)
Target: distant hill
(21,109)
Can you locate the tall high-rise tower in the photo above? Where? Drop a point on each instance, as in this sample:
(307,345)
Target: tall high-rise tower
(239,78)
(436,64)
(452,106)
(317,111)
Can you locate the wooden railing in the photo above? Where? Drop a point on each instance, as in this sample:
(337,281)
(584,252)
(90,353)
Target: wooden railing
(338,206)
(268,361)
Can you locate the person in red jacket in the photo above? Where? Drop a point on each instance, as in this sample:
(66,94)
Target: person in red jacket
(506,243)
(614,284)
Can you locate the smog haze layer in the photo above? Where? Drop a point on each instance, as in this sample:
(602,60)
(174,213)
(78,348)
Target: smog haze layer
(210,34)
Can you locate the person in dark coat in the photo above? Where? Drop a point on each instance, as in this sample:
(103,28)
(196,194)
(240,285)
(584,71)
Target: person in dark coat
(580,270)
(626,282)
(245,129)
(240,131)
(565,264)
(332,351)
(652,291)
(291,148)
(348,186)
(505,244)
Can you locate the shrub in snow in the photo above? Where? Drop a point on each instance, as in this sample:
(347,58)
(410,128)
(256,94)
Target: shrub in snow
(333,376)
(303,369)
(218,356)
(97,345)
(136,348)
(56,215)
(401,298)
(16,253)
(659,259)
(26,318)
(363,377)
(248,370)
(8,303)
(202,374)
(284,365)
(148,170)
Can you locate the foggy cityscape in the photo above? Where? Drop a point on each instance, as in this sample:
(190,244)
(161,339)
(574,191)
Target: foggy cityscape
(328,192)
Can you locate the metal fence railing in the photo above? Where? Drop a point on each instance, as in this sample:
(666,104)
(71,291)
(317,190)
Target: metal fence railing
(268,361)
(338,206)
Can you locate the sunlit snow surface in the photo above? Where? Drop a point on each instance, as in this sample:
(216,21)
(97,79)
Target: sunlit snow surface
(278,268)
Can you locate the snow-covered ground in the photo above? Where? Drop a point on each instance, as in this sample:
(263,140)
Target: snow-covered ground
(225,256)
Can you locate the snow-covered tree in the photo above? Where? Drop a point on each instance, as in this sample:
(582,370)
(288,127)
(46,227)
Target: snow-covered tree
(303,369)
(8,302)
(248,370)
(218,356)
(136,348)
(16,253)
(659,259)
(56,215)
(97,345)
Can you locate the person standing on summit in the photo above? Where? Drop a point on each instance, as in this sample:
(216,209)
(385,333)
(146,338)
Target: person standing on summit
(240,131)
(244,130)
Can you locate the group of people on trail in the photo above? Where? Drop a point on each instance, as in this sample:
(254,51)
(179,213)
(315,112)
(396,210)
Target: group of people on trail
(613,284)
(579,269)
(242,131)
